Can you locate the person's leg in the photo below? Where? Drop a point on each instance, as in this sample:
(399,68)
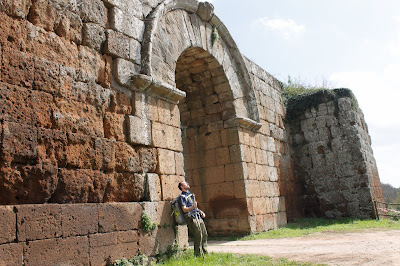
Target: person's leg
(196,233)
(205,235)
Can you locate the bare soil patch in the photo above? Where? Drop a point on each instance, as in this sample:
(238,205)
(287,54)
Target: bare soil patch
(362,248)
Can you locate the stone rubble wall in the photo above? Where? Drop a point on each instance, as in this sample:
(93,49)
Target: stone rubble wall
(334,160)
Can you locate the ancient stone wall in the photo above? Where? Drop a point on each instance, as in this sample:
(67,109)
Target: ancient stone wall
(105,105)
(333,156)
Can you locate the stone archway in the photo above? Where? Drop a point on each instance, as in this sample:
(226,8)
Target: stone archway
(180,57)
(210,141)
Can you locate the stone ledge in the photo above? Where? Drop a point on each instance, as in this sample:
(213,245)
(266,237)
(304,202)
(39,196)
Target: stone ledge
(243,122)
(149,85)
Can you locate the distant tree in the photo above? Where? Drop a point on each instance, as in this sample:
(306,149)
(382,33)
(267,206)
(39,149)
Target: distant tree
(389,193)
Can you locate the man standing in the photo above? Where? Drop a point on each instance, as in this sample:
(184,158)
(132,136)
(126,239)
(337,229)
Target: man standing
(194,218)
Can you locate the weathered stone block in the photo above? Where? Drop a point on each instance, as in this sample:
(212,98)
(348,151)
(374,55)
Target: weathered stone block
(169,186)
(19,142)
(46,76)
(79,219)
(78,117)
(154,192)
(38,221)
(7,225)
(126,158)
(179,164)
(126,187)
(139,130)
(94,36)
(222,155)
(80,186)
(80,151)
(67,251)
(234,171)
(112,246)
(105,154)
(147,159)
(19,8)
(11,254)
(93,64)
(114,126)
(119,217)
(117,44)
(127,22)
(42,105)
(93,11)
(166,162)
(17,68)
(215,174)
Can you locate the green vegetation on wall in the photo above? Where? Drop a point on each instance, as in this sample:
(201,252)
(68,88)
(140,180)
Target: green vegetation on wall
(299,97)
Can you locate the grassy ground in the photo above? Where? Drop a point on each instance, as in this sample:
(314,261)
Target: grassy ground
(302,227)
(187,258)
(308,226)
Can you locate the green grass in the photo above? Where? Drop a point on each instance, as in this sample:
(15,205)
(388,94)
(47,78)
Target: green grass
(187,258)
(307,226)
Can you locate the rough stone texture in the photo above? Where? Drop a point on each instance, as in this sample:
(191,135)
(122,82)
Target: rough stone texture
(79,219)
(335,160)
(109,247)
(71,250)
(38,221)
(119,217)
(7,225)
(11,254)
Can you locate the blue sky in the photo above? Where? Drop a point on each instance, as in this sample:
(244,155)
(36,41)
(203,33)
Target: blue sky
(349,43)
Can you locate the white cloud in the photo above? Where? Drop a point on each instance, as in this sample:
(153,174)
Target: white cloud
(287,27)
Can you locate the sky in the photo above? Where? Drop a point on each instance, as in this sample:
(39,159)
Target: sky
(351,44)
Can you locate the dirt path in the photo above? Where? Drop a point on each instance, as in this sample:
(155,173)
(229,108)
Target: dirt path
(366,248)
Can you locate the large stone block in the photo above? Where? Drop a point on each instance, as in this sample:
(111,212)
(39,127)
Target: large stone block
(154,192)
(109,247)
(234,171)
(11,254)
(42,107)
(94,36)
(38,221)
(126,187)
(139,130)
(94,11)
(147,159)
(93,64)
(126,158)
(114,126)
(16,105)
(79,219)
(80,152)
(169,186)
(124,70)
(7,225)
(80,186)
(166,162)
(46,76)
(105,154)
(127,22)
(19,143)
(119,217)
(19,8)
(78,117)
(59,251)
(117,44)
(28,184)
(215,174)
